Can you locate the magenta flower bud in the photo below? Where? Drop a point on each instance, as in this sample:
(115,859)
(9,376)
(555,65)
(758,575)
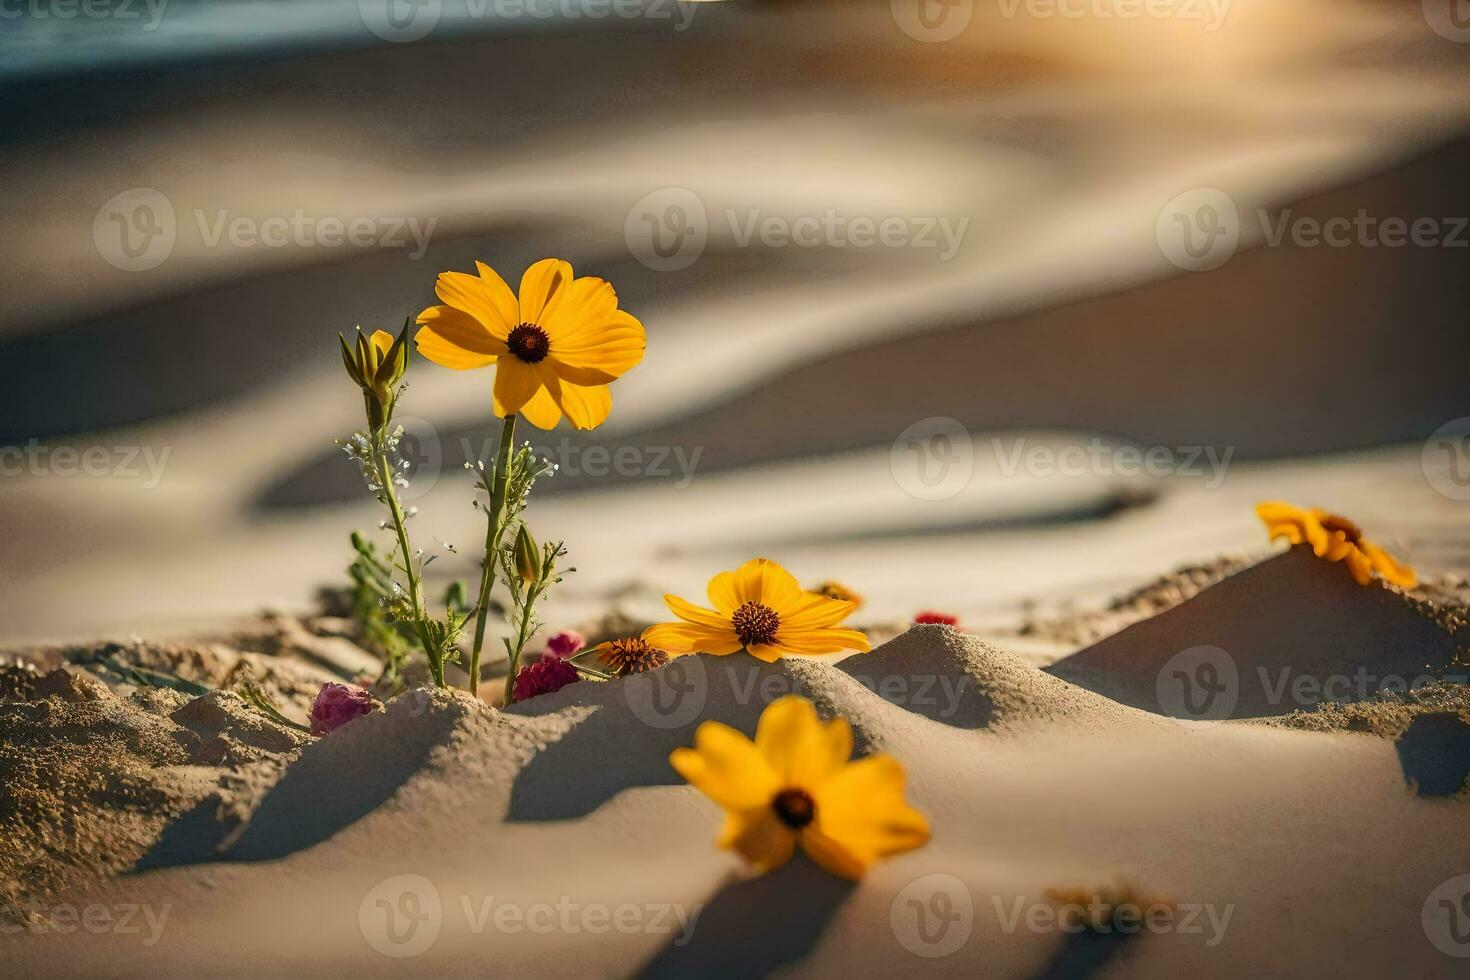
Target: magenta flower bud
(565,643)
(544,676)
(336,705)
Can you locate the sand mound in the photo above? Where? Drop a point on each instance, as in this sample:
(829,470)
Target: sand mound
(1284,635)
(93,780)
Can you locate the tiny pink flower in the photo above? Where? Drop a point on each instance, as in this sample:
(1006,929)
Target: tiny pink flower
(544,676)
(336,705)
(565,643)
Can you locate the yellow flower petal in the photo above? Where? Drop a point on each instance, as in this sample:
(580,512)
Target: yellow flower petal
(585,302)
(585,408)
(815,611)
(476,297)
(602,351)
(727,767)
(458,329)
(862,807)
(762,580)
(499,296)
(1360,566)
(382,340)
(446,353)
(542,410)
(723,593)
(691,613)
(764,651)
(680,638)
(539,287)
(759,837)
(833,857)
(801,750)
(516,383)
(1389,568)
(817,642)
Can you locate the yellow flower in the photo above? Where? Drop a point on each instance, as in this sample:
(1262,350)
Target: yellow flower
(1336,539)
(556,347)
(377,365)
(795,783)
(761,608)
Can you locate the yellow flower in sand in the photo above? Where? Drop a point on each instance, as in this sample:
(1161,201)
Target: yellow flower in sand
(1336,539)
(761,608)
(556,347)
(794,783)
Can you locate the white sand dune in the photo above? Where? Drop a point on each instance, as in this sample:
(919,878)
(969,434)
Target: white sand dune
(569,799)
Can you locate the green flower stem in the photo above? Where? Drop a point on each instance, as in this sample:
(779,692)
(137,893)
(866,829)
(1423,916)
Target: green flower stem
(390,497)
(493,534)
(522,636)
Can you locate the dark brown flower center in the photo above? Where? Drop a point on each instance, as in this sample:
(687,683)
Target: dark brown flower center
(794,807)
(1345,527)
(755,623)
(529,343)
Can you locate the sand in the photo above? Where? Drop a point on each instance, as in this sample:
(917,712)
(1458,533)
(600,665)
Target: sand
(256,854)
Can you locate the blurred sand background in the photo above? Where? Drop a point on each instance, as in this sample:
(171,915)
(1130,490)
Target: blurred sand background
(791,376)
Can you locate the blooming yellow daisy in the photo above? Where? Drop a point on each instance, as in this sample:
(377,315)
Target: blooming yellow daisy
(1336,539)
(795,783)
(556,346)
(761,608)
